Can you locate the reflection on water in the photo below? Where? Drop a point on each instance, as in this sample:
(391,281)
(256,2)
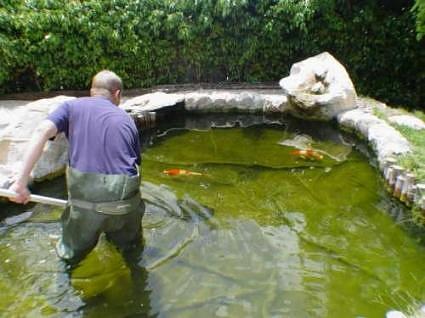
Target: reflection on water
(260,233)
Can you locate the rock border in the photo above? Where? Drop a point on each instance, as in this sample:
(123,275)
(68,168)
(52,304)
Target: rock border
(386,142)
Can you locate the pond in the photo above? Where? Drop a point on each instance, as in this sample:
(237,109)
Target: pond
(257,231)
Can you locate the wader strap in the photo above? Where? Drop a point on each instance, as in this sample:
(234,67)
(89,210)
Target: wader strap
(119,207)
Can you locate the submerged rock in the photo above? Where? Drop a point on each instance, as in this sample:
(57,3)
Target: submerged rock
(395,314)
(12,220)
(299,141)
(413,313)
(319,88)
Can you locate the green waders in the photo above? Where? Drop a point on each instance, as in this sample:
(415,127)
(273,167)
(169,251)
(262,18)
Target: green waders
(99,203)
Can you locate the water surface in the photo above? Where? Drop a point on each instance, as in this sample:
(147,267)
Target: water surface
(261,233)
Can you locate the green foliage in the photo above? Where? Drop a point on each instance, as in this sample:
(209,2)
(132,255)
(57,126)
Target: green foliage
(54,44)
(418,217)
(379,50)
(419,10)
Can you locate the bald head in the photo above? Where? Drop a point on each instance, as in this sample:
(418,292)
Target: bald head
(107,84)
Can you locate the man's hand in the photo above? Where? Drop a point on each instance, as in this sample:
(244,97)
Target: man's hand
(22,192)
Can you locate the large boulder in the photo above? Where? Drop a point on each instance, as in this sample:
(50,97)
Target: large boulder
(319,88)
(16,133)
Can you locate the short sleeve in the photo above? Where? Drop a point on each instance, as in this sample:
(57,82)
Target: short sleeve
(130,136)
(60,117)
(137,146)
(136,141)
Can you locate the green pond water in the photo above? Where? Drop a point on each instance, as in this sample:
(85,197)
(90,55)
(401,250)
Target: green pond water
(261,233)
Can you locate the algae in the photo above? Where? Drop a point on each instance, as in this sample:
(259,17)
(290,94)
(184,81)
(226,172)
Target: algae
(259,234)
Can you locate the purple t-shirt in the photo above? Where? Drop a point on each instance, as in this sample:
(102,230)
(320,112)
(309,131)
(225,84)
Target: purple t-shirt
(102,137)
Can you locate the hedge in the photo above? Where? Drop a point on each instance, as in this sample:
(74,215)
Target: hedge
(58,44)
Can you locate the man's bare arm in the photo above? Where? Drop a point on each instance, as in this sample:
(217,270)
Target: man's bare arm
(43,132)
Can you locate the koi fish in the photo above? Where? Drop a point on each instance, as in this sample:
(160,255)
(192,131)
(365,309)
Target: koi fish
(307,154)
(180,172)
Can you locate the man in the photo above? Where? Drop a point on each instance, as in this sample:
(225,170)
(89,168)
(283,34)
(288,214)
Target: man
(102,175)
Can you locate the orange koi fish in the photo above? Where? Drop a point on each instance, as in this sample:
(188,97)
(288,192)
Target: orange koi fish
(307,154)
(180,172)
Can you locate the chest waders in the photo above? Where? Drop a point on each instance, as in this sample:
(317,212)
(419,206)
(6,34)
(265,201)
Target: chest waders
(99,203)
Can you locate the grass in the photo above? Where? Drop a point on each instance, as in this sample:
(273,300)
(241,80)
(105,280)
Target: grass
(415,160)
(380,114)
(419,114)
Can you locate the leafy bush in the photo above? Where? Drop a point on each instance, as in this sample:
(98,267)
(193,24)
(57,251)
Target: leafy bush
(55,44)
(379,49)
(419,10)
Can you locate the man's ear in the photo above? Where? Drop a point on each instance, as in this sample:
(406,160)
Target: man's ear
(116,97)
